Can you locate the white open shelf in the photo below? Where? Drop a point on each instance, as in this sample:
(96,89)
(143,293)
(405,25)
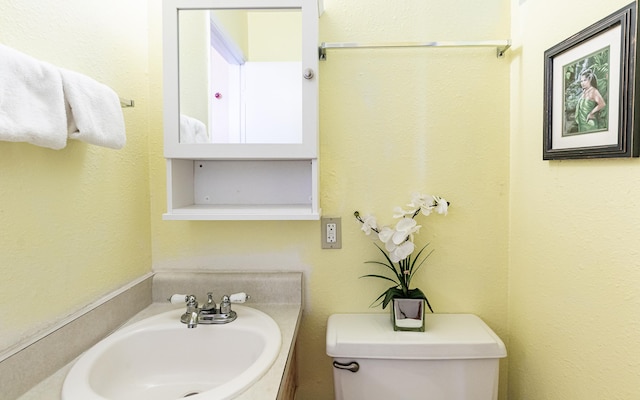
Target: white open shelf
(242,190)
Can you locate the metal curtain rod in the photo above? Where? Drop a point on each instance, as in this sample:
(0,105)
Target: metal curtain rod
(126,103)
(500,45)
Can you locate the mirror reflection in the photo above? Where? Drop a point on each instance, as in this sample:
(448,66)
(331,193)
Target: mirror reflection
(240,76)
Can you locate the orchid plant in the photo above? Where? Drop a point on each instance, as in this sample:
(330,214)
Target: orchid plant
(399,246)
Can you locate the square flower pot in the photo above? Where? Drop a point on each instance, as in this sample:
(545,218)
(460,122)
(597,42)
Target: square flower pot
(408,314)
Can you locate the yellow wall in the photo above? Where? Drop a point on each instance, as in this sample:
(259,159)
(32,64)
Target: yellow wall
(74,223)
(542,251)
(194,29)
(574,270)
(275,36)
(263,35)
(392,122)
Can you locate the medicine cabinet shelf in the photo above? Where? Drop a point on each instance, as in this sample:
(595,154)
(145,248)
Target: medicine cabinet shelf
(242,190)
(236,213)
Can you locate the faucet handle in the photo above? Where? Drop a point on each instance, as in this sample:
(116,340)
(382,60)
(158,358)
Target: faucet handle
(239,297)
(184,298)
(178,298)
(225,303)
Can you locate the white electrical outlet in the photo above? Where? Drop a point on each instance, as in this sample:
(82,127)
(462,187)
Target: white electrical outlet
(331,233)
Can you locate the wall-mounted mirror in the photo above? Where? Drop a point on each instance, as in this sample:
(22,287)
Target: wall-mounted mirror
(240,76)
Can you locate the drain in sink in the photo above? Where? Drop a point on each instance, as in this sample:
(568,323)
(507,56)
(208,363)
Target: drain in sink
(190,394)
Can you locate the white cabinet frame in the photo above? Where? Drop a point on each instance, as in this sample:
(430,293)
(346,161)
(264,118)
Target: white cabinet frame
(206,194)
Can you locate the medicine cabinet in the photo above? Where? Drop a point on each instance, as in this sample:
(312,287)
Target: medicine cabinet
(241,109)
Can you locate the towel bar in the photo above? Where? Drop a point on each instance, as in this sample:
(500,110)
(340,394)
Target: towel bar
(501,45)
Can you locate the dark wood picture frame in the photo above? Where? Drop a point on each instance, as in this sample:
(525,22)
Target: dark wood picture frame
(590,83)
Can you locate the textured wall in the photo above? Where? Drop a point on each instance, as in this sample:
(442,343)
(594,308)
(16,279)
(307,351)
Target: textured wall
(574,271)
(74,223)
(391,122)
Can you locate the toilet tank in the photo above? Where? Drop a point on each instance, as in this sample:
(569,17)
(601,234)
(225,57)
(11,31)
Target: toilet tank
(456,358)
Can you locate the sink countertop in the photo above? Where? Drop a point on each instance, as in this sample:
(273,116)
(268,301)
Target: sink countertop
(287,316)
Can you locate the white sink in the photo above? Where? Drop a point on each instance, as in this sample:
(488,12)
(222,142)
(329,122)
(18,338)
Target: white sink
(159,358)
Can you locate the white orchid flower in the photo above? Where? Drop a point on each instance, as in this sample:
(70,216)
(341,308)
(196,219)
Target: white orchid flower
(404,250)
(398,241)
(369,224)
(422,202)
(399,212)
(419,200)
(426,210)
(401,251)
(385,234)
(395,241)
(404,228)
(442,206)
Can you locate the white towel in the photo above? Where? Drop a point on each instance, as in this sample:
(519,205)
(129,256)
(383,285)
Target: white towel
(31,101)
(192,130)
(93,111)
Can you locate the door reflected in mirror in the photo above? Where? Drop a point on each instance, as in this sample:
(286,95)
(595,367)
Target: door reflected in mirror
(240,76)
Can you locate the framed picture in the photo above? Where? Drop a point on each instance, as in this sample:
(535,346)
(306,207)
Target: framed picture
(589,91)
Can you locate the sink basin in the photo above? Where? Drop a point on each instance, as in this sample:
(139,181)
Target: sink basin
(159,358)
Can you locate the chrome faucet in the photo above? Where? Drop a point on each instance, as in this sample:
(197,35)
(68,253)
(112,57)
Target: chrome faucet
(190,317)
(208,313)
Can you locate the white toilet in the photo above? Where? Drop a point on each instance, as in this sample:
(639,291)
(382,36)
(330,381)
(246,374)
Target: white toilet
(456,358)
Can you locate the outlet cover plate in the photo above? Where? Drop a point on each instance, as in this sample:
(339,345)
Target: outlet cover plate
(337,244)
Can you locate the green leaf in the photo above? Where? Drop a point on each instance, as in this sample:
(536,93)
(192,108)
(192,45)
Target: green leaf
(414,270)
(373,304)
(402,282)
(391,293)
(415,294)
(390,265)
(381,263)
(379,276)
(418,294)
(428,305)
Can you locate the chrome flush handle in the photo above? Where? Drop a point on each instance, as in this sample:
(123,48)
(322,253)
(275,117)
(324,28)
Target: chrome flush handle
(352,366)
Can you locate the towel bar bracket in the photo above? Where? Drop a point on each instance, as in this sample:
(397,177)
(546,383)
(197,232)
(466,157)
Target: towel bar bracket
(125,103)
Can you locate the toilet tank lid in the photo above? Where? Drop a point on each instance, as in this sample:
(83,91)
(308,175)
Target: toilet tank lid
(447,336)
